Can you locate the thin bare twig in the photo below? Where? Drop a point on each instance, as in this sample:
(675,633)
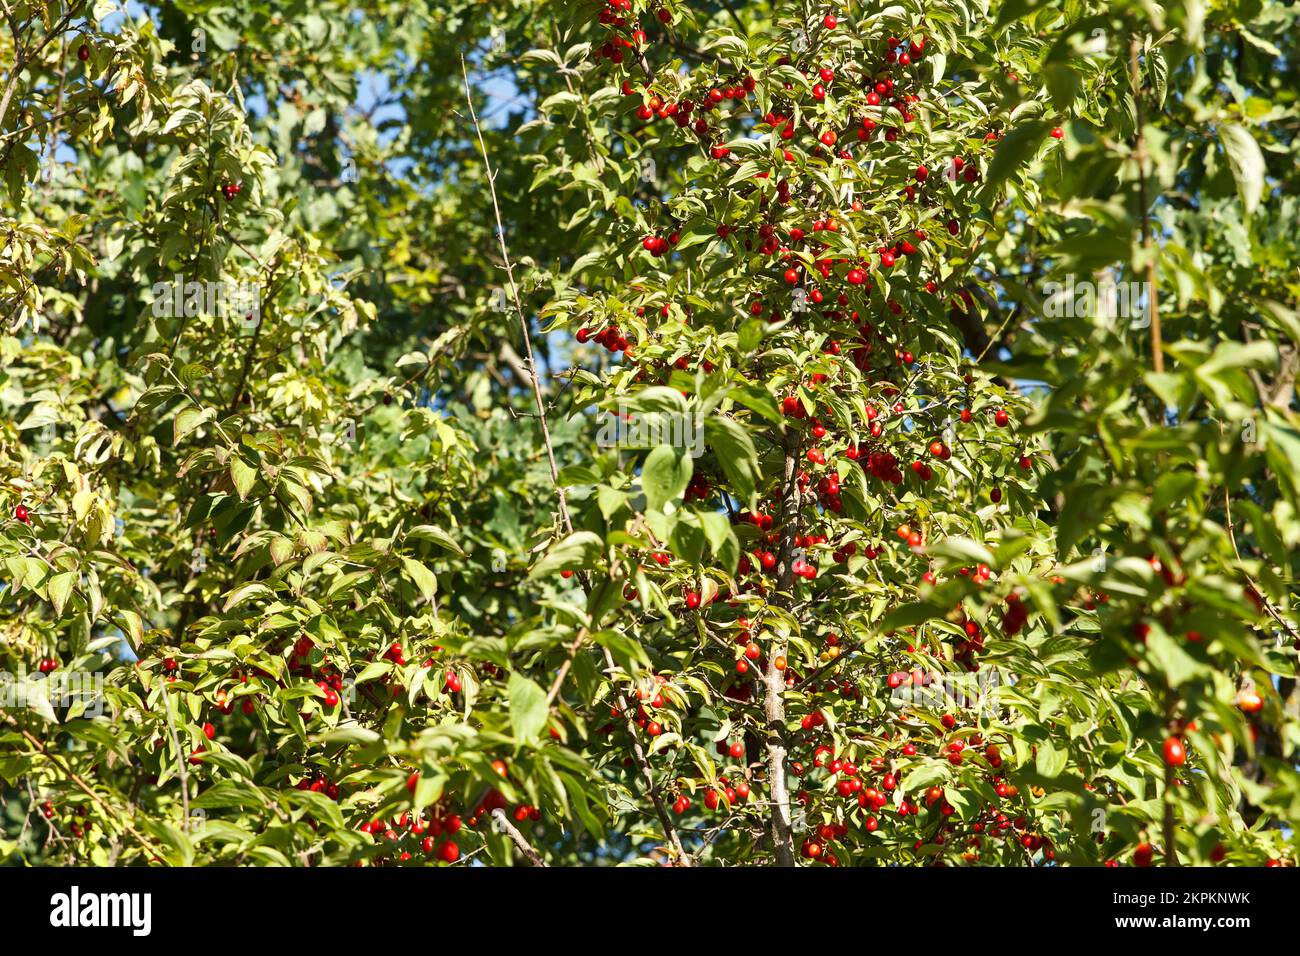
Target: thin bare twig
(661,810)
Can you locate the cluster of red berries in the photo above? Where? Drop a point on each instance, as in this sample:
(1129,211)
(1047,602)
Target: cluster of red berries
(609,337)
(320,783)
(699,488)
(659,246)
(623,35)
(231,190)
(426,832)
(1015,616)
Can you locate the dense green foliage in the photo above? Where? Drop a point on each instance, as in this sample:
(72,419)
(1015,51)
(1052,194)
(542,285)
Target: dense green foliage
(710,433)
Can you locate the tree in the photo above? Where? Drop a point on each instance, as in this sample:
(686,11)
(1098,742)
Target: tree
(693,434)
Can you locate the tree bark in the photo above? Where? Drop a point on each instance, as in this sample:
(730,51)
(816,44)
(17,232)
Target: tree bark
(774,680)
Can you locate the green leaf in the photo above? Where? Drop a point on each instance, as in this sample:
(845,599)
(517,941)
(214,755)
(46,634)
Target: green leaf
(665,475)
(1050,761)
(907,615)
(246,592)
(242,475)
(528,709)
(961,551)
(1247,162)
(1172,659)
(60,587)
(579,550)
(424,578)
(187,419)
(736,454)
(1015,149)
(429,532)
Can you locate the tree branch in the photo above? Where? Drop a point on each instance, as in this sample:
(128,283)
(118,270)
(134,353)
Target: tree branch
(774,679)
(510,830)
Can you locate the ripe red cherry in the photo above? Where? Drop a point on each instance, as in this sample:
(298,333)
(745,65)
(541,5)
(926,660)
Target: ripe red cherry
(1143,854)
(828,138)
(737,750)
(1057,133)
(22,514)
(1248,700)
(1001,418)
(692,600)
(83,53)
(922,174)
(829,21)
(209,731)
(1175,752)
(449,852)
